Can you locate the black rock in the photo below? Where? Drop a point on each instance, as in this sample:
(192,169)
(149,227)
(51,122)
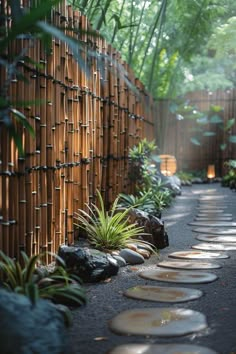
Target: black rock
(89,264)
(153,226)
(31,329)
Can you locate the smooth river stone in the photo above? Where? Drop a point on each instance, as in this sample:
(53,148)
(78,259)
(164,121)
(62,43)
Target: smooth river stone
(161,349)
(213,218)
(163,294)
(215,231)
(188,265)
(213,223)
(178,276)
(214,247)
(197,255)
(163,322)
(215,238)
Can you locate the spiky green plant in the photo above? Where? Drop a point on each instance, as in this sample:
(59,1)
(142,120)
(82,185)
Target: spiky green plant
(108,230)
(58,286)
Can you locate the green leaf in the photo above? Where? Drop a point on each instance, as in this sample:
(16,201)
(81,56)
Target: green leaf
(223,146)
(27,22)
(216,119)
(20,117)
(195,141)
(209,133)
(229,124)
(232,139)
(216,108)
(173,107)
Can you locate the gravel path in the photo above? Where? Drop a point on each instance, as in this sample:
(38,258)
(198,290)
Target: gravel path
(90,333)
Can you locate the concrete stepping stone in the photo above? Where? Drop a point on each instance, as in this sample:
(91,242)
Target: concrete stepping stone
(213,224)
(178,276)
(162,294)
(163,322)
(213,218)
(213,214)
(211,208)
(197,255)
(215,231)
(215,238)
(161,349)
(215,247)
(188,265)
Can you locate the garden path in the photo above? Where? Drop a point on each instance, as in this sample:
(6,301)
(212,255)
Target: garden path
(90,332)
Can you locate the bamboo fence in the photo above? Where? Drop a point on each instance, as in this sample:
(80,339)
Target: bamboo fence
(176,134)
(84,126)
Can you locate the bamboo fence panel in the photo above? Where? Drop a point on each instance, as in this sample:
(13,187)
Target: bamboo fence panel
(176,140)
(84,126)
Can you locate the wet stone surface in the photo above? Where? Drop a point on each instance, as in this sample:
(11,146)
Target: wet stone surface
(178,276)
(161,349)
(197,255)
(189,265)
(163,294)
(216,238)
(215,247)
(163,322)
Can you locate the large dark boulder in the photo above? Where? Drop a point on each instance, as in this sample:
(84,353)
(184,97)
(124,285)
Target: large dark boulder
(153,226)
(31,329)
(89,264)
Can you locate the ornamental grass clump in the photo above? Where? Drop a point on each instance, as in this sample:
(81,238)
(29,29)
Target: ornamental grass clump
(111,230)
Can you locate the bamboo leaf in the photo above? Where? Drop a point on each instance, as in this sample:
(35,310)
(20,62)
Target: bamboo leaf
(232,139)
(195,141)
(209,133)
(230,123)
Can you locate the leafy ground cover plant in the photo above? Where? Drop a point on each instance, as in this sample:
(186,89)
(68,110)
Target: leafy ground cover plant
(111,230)
(57,286)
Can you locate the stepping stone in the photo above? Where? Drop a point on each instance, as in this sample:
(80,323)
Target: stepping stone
(178,276)
(213,218)
(197,255)
(163,322)
(161,349)
(215,238)
(215,231)
(213,214)
(211,208)
(163,294)
(215,247)
(188,265)
(212,197)
(213,224)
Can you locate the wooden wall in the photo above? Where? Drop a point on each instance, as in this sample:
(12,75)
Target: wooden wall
(174,135)
(84,126)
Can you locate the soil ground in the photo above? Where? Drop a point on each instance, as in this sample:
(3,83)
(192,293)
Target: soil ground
(90,334)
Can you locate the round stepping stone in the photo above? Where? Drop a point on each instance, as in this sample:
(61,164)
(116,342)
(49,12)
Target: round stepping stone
(213,218)
(163,322)
(178,276)
(161,349)
(215,231)
(211,208)
(197,255)
(215,238)
(213,224)
(214,214)
(163,294)
(188,265)
(215,247)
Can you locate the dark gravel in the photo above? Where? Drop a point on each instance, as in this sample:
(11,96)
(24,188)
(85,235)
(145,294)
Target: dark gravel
(90,333)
